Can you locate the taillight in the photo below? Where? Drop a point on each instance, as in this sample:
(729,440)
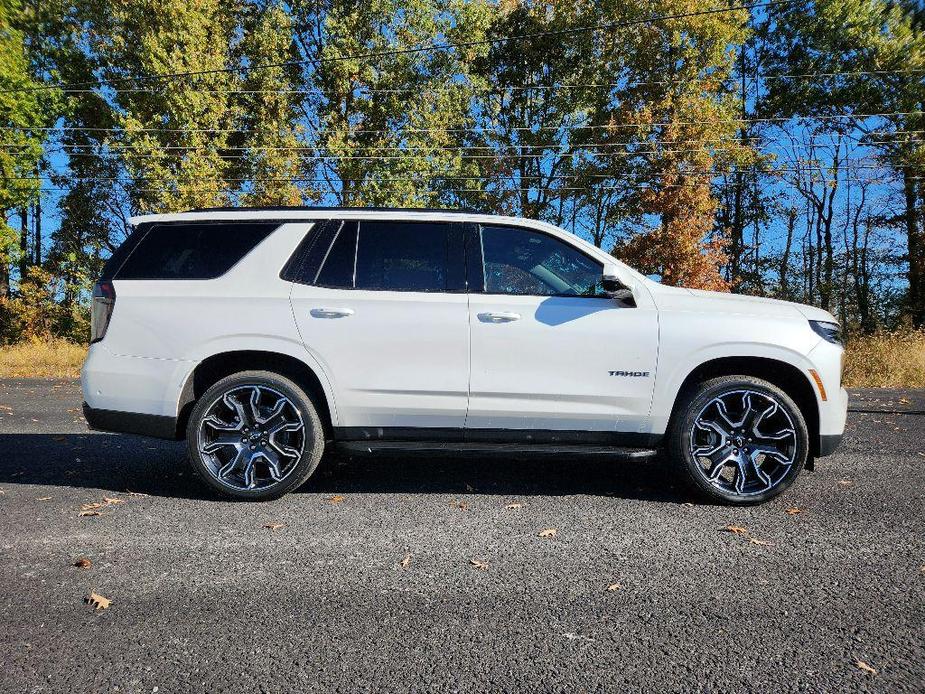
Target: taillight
(104,300)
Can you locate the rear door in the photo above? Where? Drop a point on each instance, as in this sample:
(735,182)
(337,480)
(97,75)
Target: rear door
(382,306)
(550,351)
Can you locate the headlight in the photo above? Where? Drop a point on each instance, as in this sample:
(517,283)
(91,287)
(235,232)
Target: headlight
(828,331)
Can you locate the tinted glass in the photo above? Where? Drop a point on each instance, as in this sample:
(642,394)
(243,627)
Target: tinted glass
(519,261)
(306,261)
(402,256)
(337,269)
(191,251)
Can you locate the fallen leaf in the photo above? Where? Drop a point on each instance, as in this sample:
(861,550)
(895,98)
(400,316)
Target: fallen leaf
(614,586)
(735,530)
(83,563)
(44,498)
(90,506)
(110,501)
(845,483)
(336,499)
(469,488)
(135,494)
(794,511)
(90,513)
(756,541)
(461,505)
(479,564)
(904,401)
(548,532)
(2,492)
(861,665)
(514,504)
(273,526)
(405,562)
(688,503)
(98,601)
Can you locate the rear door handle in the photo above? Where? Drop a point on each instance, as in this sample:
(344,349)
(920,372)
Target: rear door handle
(498,317)
(331,312)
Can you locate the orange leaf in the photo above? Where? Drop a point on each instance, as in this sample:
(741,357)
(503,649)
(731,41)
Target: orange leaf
(83,563)
(98,601)
(735,530)
(794,511)
(336,499)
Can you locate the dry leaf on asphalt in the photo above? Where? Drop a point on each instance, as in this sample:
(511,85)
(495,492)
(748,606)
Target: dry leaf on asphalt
(845,483)
(91,513)
(98,601)
(479,564)
(273,526)
(861,665)
(614,586)
(83,563)
(794,511)
(135,494)
(756,541)
(405,562)
(548,532)
(735,530)
(91,506)
(904,401)
(336,499)
(111,501)
(514,504)
(44,498)
(461,505)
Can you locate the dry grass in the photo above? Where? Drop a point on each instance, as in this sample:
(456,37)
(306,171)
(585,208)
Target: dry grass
(882,360)
(42,359)
(886,360)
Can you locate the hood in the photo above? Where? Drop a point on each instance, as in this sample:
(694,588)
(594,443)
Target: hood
(681,298)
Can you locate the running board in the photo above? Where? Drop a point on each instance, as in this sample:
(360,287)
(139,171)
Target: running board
(508,449)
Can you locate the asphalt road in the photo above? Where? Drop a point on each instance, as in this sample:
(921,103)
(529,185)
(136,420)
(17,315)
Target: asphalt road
(205,598)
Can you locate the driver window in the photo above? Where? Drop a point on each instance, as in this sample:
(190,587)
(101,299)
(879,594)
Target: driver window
(521,261)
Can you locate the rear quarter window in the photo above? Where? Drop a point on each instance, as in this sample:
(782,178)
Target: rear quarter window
(191,251)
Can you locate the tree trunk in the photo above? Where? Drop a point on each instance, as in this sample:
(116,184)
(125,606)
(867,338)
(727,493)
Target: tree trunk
(916,299)
(23,241)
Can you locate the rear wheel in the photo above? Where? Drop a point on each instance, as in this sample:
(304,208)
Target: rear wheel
(738,440)
(255,435)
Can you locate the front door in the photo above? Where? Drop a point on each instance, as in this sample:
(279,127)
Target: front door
(550,351)
(384,311)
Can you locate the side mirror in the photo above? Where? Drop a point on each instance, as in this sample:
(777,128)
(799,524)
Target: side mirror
(614,287)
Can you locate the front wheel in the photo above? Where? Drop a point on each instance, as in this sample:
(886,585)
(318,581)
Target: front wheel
(738,440)
(254,435)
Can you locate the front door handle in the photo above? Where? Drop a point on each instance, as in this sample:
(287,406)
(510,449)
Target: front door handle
(498,317)
(331,312)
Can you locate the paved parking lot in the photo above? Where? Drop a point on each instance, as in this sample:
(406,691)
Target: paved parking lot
(367,582)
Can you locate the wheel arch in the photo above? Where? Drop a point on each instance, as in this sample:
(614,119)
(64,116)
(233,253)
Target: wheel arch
(217,366)
(782,374)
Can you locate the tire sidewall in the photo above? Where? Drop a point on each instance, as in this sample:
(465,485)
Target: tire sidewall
(312,446)
(696,400)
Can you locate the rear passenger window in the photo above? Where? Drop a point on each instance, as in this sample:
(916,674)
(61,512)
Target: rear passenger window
(192,251)
(402,256)
(338,264)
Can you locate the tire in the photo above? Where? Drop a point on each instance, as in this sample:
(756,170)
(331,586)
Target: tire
(254,449)
(750,448)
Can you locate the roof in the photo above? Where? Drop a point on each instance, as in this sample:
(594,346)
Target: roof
(316,213)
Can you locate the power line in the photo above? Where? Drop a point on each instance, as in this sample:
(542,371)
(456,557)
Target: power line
(497,131)
(410,51)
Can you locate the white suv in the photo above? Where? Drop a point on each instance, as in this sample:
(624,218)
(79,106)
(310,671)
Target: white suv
(265,335)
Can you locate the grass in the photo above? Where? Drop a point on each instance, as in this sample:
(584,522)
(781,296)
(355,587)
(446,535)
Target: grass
(886,360)
(881,360)
(42,359)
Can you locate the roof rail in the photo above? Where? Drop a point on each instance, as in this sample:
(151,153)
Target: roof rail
(321,208)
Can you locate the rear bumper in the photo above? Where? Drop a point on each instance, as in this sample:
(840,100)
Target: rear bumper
(158,426)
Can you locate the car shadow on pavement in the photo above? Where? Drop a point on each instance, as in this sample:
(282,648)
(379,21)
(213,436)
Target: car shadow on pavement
(160,468)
